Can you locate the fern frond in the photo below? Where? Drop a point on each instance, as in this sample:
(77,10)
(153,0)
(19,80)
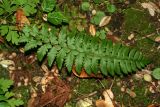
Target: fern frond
(86,52)
(32,44)
(42,51)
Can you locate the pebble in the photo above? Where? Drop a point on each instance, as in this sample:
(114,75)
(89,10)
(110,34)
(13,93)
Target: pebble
(94,12)
(10,57)
(14,54)
(123,89)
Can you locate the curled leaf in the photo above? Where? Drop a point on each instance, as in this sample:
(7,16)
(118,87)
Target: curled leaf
(104,21)
(92,30)
(21,19)
(152,8)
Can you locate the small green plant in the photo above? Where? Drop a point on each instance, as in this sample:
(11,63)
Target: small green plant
(85,6)
(156,73)
(97,18)
(74,48)
(111,8)
(6,96)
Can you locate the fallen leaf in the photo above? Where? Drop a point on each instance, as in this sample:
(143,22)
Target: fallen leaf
(6,63)
(83,74)
(152,8)
(107,102)
(100,103)
(92,30)
(154,105)
(84,103)
(104,21)
(21,19)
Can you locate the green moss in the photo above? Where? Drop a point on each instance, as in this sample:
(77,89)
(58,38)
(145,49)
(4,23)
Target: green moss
(149,48)
(24,92)
(137,21)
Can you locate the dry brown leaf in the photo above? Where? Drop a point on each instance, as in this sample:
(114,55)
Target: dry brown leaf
(108,96)
(154,105)
(100,103)
(83,74)
(45,68)
(21,19)
(92,30)
(152,8)
(6,63)
(104,21)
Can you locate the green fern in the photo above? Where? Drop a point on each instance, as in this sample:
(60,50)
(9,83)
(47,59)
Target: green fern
(85,52)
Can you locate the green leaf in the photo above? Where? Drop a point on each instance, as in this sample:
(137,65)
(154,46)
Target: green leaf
(6,4)
(20,2)
(94,65)
(97,18)
(31,44)
(62,37)
(57,18)
(87,65)
(51,55)
(1,11)
(29,9)
(9,94)
(85,6)
(101,34)
(79,62)
(4,30)
(60,58)
(15,102)
(103,66)
(156,73)
(2,98)
(5,84)
(69,61)
(42,51)
(48,5)
(4,104)
(111,8)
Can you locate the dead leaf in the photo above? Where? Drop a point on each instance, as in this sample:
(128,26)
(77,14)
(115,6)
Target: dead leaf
(92,30)
(113,38)
(100,103)
(152,8)
(45,68)
(83,74)
(107,102)
(104,21)
(21,19)
(84,103)
(6,63)
(154,105)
